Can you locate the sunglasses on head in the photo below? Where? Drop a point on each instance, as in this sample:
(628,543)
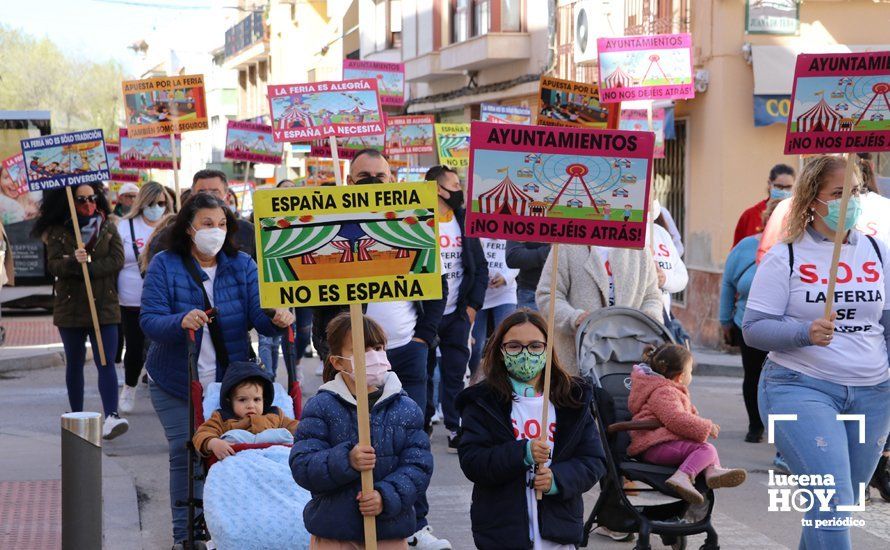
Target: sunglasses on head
(83,199)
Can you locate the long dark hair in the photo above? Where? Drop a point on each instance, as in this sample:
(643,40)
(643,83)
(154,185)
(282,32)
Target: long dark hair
(563,390)
(178,238)
(340,330)
(54,209)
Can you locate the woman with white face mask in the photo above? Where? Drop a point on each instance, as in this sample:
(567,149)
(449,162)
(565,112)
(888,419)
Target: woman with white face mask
(201,270)
(149,208)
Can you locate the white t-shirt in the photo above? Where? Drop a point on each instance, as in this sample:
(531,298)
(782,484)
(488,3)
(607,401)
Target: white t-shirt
(129,281)
(668,259)
(526,419)
(398,320)
(875,217)
(604,256)
(496,254)
(207,355)
(857,355)
(451,254)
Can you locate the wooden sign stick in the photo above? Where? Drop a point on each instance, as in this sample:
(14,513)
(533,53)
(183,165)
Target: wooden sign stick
(247,188)
(839,234)
(356,317)
(554,274)
(86,278)
(175,172)
(651,220)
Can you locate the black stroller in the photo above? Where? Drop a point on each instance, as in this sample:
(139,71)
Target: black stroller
(609,343)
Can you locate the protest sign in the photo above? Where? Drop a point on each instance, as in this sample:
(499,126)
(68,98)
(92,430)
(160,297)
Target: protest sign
(411,173)
(567,103)
(347,146)
(347,244)
(321,172)
(453,144)
(165,105)
(637,120)
(390,78)
(306,112)
(60,160)
(145,153)
(645,67)
(406,135)
(566,185)
(118,175)
(15,181)
(507,114)
(251,142)
(840,103)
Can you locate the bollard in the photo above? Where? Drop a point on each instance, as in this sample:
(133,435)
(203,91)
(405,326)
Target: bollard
(81,480)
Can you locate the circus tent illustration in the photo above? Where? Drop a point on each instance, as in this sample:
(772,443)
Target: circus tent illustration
(820,118)
(618,79)
(135,154)
(505,198)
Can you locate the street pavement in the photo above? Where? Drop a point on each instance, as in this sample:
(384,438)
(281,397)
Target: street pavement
(136,472)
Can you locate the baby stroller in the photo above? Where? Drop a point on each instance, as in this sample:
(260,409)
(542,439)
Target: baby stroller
(197,526)
(609,343)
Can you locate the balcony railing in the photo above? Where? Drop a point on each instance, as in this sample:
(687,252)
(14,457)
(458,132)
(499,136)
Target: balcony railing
(656,16)
(247,32)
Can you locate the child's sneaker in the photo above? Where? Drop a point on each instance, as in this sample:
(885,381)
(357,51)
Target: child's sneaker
(614,535)
(437,417)
(724,477)
(127,399)
(453,442)
(426,540)
(114,426)
(681,483)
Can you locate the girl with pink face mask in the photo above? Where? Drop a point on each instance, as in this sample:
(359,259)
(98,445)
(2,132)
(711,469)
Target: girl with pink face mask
(327,460)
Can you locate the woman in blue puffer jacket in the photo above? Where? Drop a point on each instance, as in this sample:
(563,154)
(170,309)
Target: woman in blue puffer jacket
(327,460)
(201,246)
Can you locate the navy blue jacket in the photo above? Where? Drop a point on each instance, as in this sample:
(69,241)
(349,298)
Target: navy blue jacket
(494,460)
(529,259)
(319,461)
(169,292)
(475,276)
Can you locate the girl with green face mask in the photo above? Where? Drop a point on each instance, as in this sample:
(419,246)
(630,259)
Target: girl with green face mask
(506,452)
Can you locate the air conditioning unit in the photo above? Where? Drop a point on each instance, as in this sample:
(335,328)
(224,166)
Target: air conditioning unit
(588,22)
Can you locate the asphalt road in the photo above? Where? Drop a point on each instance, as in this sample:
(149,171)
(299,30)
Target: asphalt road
(33,400)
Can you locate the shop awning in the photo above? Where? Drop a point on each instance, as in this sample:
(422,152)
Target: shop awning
(774,65)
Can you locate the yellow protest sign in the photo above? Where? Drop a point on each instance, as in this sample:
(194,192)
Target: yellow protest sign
(453,144)
(324,246)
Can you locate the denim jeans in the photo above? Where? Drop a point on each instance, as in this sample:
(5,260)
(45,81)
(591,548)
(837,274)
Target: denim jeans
(174,416)
(480,329)
(268,352)
(818,443)
(75,356)
(525,297)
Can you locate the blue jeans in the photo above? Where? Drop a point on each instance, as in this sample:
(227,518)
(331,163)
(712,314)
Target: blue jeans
(818,443)
(268,351)
(497,314)
(173,413)
(525,297)
(75,357)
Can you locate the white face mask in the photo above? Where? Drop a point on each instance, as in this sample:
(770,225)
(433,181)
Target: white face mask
(154,213)
(209,241)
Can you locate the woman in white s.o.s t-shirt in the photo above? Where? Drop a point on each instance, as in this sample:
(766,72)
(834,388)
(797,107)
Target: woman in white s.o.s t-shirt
(149,208)
(821,369)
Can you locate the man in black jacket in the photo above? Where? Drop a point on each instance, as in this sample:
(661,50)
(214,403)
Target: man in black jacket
(466,273)
(529,259)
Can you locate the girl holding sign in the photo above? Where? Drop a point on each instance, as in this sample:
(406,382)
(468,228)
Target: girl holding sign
(327,460)
(104,254)
(501,451)
(817,368)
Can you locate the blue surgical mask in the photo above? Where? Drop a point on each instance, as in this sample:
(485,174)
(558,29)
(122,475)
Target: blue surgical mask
(154,213)
(834,211)
(779,194)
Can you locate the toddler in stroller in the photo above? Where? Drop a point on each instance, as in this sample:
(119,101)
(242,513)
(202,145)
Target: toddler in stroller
(246,414)
(659,392)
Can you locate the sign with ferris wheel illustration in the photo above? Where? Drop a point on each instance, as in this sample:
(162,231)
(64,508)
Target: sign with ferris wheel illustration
(633,68)
(145,153)
(251,142)
(840,102)
(560,185)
